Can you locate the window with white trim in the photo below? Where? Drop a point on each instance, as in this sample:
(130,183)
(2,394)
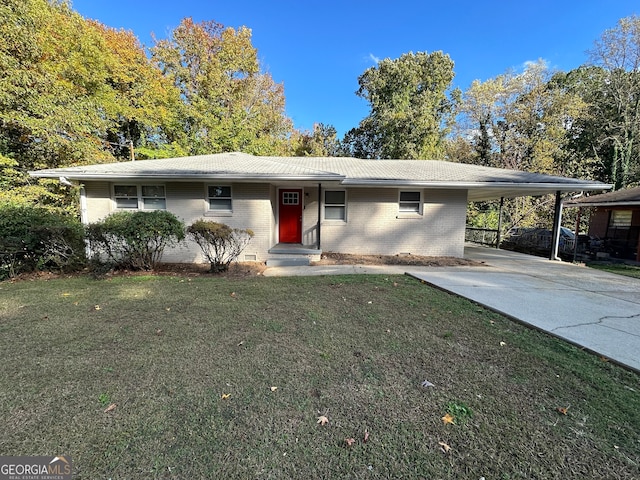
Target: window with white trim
(219,197)
(140,197)
(335,205)
(410,202)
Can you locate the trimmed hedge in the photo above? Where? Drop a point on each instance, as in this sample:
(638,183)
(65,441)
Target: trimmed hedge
(220,244)
(134,240)
(36,238)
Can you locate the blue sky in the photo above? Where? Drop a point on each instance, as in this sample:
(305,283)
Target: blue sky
(318,49)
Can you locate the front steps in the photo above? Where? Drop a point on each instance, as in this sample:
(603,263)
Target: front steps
(292,255)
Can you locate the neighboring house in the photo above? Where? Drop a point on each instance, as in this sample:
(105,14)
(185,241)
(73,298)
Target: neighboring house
(345,205)
(615,219)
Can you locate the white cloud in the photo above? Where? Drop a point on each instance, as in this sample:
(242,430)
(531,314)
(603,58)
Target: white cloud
(374,58)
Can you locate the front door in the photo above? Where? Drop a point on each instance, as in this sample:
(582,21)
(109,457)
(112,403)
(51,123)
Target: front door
(290,216)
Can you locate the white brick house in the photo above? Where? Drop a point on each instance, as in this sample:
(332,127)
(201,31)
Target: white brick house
(345,205)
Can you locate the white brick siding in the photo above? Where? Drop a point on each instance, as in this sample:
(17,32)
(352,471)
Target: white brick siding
(373,226)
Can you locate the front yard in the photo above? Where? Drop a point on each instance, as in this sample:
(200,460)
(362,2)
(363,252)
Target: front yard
(203,377)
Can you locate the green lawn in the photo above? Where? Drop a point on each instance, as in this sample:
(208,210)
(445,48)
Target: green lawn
(618,268)
(190,364)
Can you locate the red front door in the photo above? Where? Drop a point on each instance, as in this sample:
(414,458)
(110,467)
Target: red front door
(290,216)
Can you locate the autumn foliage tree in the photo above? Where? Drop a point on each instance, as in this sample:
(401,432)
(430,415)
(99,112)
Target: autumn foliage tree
(411,103)
(228,104)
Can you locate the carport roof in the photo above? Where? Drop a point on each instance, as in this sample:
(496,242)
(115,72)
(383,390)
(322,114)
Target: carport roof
(482,183)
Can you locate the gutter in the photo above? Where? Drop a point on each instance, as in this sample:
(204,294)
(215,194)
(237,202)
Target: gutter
(185,178)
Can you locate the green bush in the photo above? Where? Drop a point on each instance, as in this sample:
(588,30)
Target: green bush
(37,238)
(134,240)
(220,244)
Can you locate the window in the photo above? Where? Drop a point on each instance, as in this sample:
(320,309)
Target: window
(335,205)
(290,198)
(145,197)
(219,198)
(126,196)
(621,218)
(410,202)
(153,197)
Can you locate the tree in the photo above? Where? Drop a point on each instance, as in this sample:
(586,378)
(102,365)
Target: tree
(227,103)
(617,52)
(410,109)
(72,92)
(145,101)
(322,142)
(521,121)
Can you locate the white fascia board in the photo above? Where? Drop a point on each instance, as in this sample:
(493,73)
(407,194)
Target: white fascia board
(186,178)
(472,185)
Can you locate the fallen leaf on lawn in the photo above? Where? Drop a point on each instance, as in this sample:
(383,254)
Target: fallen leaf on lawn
(241,343)
(395,284)
(97,307)
(168,309)
(562,410)
(110,408)
(159,331)
(502,344)
(366,436)
(322,420)
(427,383)
(369,303)
(349,441)
(66,294)
(233,294)
(604,359)
(225,396)
(448,419)
(444,447)
(273,389)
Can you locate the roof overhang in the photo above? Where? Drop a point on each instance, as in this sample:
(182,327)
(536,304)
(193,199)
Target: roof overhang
(484,191)
(603,204)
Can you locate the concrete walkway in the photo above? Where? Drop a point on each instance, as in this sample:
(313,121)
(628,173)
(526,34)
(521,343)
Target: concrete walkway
(593,309)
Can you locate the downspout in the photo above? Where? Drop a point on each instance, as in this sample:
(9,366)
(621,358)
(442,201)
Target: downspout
(83,206)
(84,218)
(319,215)
(499,222)
(557,220)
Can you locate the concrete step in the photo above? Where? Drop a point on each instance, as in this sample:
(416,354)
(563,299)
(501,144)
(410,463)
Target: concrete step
(284,261)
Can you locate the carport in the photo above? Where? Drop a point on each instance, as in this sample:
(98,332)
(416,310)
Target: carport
(564,190)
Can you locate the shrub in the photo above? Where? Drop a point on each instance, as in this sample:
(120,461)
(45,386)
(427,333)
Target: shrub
(220,244)
(37,238)
(134,240)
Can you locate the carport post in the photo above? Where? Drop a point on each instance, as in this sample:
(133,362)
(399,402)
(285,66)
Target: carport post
(499,222)
(557,220)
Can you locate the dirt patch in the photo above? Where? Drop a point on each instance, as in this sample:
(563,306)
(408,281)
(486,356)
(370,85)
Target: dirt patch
(236,270)
(333,258)
(252,269)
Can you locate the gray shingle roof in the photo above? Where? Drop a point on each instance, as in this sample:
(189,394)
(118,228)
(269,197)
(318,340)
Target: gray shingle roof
(481,182)
(629,196)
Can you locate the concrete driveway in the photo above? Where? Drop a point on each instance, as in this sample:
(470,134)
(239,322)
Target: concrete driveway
(596,310)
